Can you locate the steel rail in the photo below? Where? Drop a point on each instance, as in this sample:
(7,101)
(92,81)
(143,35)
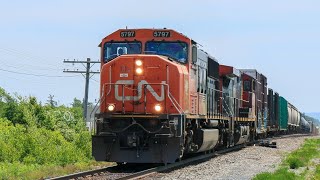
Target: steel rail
(81,174)
(148,172)
(153,170)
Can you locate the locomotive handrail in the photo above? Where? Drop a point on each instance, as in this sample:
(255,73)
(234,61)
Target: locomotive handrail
(94,110)
(99,101)
(228,112)
(138,124)
(219,114)
(169,95)
(109,80)
(232,96)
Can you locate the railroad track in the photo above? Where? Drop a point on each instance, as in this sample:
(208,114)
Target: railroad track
(137,172)
(185,162)
(289,136)
(111,172)
(82,174)
(125,172)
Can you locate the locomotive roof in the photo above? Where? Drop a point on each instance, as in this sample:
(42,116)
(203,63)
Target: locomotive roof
(149,29)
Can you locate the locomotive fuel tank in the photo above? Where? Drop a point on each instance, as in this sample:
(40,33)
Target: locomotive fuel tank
(207,139)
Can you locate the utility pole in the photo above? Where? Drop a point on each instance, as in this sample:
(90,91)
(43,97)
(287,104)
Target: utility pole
(87,74)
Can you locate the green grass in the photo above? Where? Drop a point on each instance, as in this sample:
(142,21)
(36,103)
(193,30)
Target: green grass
(300,158)
(11,171)
(280,174)
(317,172)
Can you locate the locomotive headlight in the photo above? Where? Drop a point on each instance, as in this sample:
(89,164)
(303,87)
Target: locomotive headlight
(139,70)
(157,107)
(138,62)
(111,107)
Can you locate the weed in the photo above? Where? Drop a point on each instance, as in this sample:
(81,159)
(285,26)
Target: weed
(295,160)
(280,174)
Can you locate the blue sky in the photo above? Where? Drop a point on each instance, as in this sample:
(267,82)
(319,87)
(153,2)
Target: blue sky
(279,38)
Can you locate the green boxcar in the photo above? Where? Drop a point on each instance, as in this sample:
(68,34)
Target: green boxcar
(283,111)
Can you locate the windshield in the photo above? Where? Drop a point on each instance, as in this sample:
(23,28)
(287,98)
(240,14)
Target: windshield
(115,49)
(174,50)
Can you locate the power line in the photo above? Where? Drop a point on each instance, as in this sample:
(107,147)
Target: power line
(29,81)
(30,74)
(95,80)
(87,74)
(25,55)
(36,68)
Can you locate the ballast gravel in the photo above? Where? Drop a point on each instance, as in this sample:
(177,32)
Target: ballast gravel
(242,164)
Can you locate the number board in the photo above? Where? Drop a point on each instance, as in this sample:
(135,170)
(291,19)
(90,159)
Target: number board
(126,34)
(161,34)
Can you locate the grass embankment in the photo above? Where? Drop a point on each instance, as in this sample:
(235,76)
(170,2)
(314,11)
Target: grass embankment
(304,163)
(36,153)
(39,141)
(35,171)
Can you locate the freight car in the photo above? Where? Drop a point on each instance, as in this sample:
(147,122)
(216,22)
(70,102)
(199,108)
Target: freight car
(305,126)
(314,129)
(283,117)
(162,96)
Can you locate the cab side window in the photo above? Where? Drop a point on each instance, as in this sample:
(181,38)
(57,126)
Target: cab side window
(247,86)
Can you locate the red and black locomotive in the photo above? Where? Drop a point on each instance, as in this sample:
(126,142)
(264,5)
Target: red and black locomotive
(163,97)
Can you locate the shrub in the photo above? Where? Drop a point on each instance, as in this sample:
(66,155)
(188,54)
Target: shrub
(295,163)
(34,135)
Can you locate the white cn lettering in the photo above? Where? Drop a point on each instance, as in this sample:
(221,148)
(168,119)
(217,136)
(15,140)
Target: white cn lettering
(138,97)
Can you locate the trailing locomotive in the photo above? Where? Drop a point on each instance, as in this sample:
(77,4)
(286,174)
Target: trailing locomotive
(162,97)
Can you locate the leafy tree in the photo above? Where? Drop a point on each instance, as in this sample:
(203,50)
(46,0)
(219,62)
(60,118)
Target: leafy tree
(51,102)
(5,98)
(36,135)
(14,113)
(77,103)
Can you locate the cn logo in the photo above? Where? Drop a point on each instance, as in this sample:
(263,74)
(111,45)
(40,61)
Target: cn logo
(139,89)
